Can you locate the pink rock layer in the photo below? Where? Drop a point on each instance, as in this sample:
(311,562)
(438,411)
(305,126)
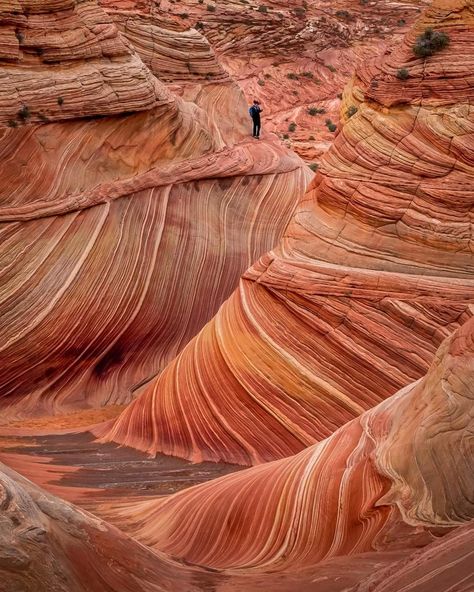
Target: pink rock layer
(374,270)
(394,478)
(121,235)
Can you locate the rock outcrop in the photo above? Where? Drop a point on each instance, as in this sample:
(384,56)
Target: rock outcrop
(374,270)
(397,476)
(121,234)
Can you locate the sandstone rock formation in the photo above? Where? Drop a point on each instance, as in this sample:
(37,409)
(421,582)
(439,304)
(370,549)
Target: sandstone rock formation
(293,56)
(121,234)
(374,270)
(397,476)
(47,544)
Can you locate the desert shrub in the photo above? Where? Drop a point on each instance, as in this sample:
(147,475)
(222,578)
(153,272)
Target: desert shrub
(292,127)
(261,82)
(43,117)
(199,25)
(430,42)
(262,8)
(403,74)
(12,123)
(19,36)
(316,111)
(24,113)
(211,8)
(330,67)
(314,166)
(299,11)
(184,15)
(308,74)
(332,127)
(292,76)
(267,76)
(343,14)
(401,22)
(312,138)
(352,110)
(286,136)
(60,101)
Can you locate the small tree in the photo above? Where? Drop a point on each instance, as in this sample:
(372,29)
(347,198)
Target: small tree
(24,113)
(352,110)
(403,74)
(429,43)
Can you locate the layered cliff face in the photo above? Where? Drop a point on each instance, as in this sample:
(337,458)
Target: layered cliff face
(295,57)
(374,270)
(395,477)
(126,232)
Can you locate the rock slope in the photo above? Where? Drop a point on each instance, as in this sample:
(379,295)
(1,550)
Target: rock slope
(374,270)
(395,477)
(126,232)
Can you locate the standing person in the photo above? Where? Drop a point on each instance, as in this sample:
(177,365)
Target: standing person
(255,111)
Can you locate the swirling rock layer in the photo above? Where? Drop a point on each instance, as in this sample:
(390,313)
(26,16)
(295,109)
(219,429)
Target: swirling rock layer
(392,478)
(127,232)
(374,270)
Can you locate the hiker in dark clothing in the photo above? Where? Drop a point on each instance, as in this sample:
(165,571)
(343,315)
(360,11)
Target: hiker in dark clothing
(255,111)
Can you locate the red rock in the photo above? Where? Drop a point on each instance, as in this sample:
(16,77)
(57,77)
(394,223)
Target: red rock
(394,478)
(374,270)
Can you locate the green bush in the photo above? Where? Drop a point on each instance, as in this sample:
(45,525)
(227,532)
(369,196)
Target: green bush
(292,127)
(403,74)
(308,74)
(286,136)
(314,166)
(343,14)
(332,127)
(12,123)
(292,76)
(401,22)
(330,67)
(429,43)
(184,15)
(211,8)
(261,82)
(316,111)
(352,110)
(262,8)
(24,113)
(60,101)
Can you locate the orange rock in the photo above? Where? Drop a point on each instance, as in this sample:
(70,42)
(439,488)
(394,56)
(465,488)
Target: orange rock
(374,270)
(393,478)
